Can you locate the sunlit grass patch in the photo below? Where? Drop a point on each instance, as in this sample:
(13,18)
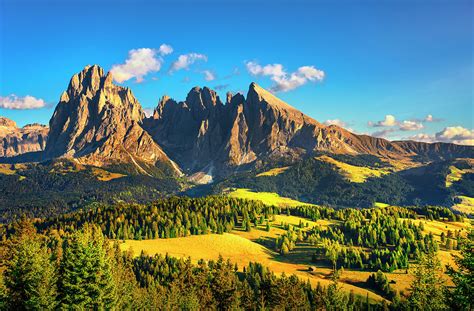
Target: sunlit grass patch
(274,171)
(354,173)
(269,198)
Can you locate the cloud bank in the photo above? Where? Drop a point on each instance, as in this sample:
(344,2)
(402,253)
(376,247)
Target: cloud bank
(186,60)
(283,81)
(451,134)
(139,63)
(21,103)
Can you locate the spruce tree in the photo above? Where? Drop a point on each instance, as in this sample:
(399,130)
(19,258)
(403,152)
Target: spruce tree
(462,296)
(427,289)
(86,279)
(30,278)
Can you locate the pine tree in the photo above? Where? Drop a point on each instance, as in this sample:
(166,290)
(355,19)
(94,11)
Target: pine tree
(427,289)
(462,296)
(30,278)
(86,279)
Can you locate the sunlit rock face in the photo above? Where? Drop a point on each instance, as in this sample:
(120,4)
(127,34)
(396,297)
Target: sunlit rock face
(99,123)
(204,135)
(15,141)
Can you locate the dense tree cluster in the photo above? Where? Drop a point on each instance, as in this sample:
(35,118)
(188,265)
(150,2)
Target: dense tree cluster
(82,271)
(166,218)
(380,283)
(43,190)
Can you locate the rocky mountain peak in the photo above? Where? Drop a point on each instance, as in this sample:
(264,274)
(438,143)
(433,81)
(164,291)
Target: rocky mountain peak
(258,95)
(99,123)
(164,104)
(7,122)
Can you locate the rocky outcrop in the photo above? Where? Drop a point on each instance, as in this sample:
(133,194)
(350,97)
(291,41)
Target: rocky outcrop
(99,123)
(206,136)
(15,141)
(192,131)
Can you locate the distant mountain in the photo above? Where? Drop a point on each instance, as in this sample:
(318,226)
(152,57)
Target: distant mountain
(99,123)
(15,141)
(209,138)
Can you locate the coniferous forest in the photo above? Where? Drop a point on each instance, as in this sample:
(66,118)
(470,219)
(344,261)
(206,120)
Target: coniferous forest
(75,260)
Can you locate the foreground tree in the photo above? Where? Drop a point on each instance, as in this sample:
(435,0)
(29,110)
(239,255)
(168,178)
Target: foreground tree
(86,279)
(427,289)
(462,296)
(30,279)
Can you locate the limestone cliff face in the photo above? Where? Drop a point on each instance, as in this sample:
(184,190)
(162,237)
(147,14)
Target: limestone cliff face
(204,135)
(15,141)
(191,131)
(99,123)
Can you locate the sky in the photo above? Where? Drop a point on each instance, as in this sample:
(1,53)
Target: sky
(393,69)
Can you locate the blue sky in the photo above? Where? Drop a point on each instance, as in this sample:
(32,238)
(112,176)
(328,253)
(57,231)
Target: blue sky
(374,66)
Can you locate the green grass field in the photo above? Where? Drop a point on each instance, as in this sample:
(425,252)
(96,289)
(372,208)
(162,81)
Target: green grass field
(269,198)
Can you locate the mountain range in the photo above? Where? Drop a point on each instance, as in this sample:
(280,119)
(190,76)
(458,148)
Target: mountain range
(99,123)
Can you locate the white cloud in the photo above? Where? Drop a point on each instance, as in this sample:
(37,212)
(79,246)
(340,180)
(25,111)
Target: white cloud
(282,80)
(165,49)
(274,70)
(139,63)
(410,126)
(209,75)
(389,120)
(457,135)
(335,122)
(452,134)
(311,73)
(185,60)
(19,103)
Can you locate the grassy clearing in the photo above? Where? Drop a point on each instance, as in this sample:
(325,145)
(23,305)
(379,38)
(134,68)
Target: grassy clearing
(274,171)
(269,198)
(437,227)
(6,169)
(242,247)
(240,250)
(354,173)
(455,174)
(295,221)
(104,175)
(466,205)
(380,204)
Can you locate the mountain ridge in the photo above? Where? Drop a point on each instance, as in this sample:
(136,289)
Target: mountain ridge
(99,123)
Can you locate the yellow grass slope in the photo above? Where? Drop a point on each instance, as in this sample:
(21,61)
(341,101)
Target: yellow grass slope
(274,171)
(269,198)
(6,169)
(466,205)
(357,174)
(104,175)
(241,251)
(455,174)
